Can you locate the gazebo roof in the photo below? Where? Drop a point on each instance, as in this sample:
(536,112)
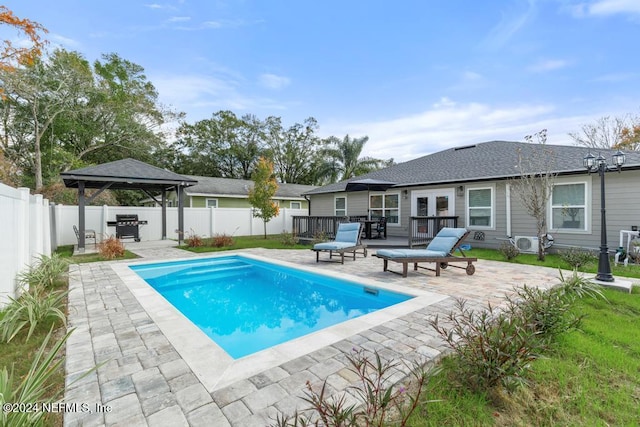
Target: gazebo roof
(126,174)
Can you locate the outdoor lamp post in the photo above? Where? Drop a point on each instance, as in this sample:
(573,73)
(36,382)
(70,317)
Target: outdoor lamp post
(592,164)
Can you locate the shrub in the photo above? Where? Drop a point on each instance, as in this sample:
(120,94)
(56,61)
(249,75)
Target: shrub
(288,239)
(33,307)
(381,402)
(509,251)
(111,248)
(577,257)
(578,286)
(491,347)
(222,240)
(319,237)
(44,272)
(546,312)
(194,241)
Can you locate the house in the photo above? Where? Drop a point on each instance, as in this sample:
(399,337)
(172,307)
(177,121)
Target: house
(234,193)
(473,187)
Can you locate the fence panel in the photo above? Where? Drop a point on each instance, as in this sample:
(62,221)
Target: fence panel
(25,235)
(205,222)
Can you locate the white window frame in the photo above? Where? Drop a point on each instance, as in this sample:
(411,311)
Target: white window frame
(492,219)
(586,206)
(385,209)
(298,203)
(206,203)
(335,209)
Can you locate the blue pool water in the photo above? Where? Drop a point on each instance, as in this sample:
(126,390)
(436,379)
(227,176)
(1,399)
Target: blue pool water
(246,305)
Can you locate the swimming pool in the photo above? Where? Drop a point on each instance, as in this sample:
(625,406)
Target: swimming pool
(247,305)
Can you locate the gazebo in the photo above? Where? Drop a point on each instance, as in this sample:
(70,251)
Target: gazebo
(127,174)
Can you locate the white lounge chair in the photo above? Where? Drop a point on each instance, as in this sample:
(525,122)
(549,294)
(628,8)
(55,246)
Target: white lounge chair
(347,240)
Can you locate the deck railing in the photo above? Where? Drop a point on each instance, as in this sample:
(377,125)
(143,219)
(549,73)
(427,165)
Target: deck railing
(422,229)
(312,227)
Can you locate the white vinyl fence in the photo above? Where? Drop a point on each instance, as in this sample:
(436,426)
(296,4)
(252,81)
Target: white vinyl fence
(26,234)
(204,222)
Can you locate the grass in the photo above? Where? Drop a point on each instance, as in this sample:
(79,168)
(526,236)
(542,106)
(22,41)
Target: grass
(247,242)
(67,252)
(19,354)
(554,261)
(590,377)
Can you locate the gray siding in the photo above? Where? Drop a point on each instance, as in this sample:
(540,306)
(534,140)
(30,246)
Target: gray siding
(324,204)
(622,203)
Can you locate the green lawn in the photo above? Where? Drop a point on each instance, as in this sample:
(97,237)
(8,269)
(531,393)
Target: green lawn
(554,261)
(67,252)
(590,378)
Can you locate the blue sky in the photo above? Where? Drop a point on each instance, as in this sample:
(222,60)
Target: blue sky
(416,76)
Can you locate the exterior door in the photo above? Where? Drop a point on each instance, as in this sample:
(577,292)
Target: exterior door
(432,203)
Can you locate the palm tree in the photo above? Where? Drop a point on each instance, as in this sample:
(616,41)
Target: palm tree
(341,159)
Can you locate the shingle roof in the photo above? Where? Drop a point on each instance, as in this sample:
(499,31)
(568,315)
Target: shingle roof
(239,187)
(482,161)
(125,174)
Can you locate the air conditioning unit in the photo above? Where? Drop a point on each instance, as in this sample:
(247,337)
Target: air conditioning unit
(527,244)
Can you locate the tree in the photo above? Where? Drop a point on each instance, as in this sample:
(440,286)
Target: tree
(606,133)
(261,195)
(342,159)
(224,145)
(535,184)
(34,95)
(630,138)
(294,151)
(11,55)
(121,117)
(62,113)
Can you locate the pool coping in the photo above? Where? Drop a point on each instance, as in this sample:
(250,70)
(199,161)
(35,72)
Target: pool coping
(198,350)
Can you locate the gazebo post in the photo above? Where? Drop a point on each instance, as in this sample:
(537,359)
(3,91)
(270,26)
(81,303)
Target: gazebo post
(164,214)
(180,193)
(81,221)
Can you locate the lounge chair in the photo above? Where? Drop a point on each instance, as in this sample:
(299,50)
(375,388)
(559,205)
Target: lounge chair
(347,240)
(439,251)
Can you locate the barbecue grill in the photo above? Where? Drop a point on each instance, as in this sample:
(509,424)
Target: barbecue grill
(127,226)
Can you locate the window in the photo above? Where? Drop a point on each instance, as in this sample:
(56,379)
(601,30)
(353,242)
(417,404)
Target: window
(385,205)
(340,205)
(295,205)
(480,207)
(212,203)
(569,206)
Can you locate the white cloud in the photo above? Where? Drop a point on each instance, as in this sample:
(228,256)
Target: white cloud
(510,23)
(448,124)
(201,95)
(617,77)
(611,7)
(273,81)
(179,19)
(548,65)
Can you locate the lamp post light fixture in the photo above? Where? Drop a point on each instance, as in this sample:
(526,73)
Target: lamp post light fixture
(592,164)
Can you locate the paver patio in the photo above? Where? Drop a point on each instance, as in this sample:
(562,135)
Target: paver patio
(143,380)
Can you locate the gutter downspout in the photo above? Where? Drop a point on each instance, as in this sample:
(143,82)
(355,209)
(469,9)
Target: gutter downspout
(308,204)
(508,208)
